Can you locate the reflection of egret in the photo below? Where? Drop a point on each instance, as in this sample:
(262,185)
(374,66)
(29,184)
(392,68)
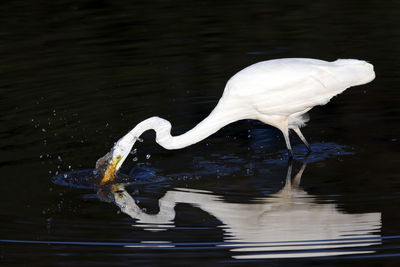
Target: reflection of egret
(277,92)
(289,221)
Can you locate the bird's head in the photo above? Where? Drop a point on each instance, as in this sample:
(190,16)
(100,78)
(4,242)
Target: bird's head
(107,167)
(109,164)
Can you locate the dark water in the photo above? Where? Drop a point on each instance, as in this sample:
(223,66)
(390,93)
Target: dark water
(77,76)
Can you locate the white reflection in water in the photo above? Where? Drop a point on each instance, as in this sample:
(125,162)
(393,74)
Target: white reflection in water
(289,223)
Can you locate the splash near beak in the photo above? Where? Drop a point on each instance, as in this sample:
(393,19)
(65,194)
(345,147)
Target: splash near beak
(109,175)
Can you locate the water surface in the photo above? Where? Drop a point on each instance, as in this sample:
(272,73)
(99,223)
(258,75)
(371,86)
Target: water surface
(78,76)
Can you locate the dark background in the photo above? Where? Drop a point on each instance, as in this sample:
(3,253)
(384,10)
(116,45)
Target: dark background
(76,76)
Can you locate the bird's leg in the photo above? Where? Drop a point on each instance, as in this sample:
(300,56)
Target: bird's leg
(285,132)
(298,132)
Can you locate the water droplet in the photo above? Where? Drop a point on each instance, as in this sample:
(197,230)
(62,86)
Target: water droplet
(59,158)
(69,166)
(49,172)
(65,175)
(148,156)
(43,130)
(133,152)
(135,159)
(41,156)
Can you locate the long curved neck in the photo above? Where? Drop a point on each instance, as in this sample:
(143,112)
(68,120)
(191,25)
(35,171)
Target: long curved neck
(218,118)
(222,115)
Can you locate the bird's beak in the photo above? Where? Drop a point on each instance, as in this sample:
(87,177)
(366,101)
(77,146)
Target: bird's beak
(109,174)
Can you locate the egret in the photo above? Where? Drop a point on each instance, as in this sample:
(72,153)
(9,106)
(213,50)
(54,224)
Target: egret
(277,92)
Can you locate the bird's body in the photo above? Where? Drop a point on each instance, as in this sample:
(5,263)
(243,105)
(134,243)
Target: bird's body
(277,92)
(289,87)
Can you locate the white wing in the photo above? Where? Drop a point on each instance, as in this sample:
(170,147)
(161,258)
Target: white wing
(284,87)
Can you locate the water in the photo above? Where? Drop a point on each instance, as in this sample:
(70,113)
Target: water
(75,77)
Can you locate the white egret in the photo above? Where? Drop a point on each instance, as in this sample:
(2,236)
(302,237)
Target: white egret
(277,92)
